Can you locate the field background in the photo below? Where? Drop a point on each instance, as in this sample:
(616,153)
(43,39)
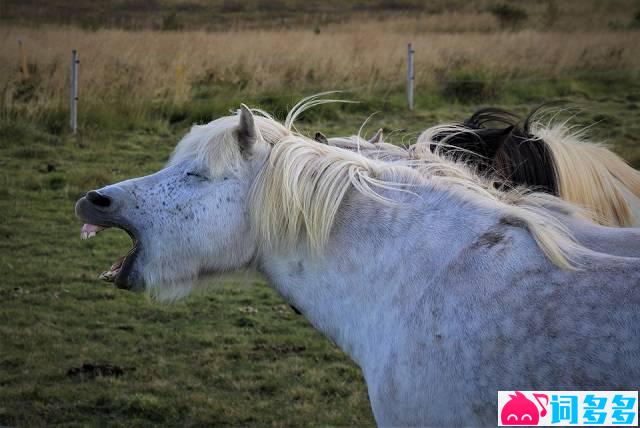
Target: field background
(74,351)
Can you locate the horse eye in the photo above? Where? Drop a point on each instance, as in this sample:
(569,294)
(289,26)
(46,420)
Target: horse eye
(196,175)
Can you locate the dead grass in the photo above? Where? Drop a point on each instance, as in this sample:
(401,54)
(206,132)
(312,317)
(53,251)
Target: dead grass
(125,66)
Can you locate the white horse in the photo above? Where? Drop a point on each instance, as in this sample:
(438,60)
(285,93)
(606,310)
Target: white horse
(440,288)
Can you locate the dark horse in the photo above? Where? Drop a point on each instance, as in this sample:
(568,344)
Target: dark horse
(507,148)
(552,159)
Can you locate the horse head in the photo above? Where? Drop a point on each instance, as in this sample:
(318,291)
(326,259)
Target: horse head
(189,218)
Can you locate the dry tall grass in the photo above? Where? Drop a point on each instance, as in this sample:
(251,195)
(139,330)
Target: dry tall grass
(122,65)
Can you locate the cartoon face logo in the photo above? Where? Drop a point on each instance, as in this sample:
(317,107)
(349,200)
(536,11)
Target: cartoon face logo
(519,410)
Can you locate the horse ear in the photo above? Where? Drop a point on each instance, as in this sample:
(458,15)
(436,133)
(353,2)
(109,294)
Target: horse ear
(377,137)
(247,132)
(321,138)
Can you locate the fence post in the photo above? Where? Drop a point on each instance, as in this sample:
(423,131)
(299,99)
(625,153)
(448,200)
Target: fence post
(410,76)
(74,90)
(24,68)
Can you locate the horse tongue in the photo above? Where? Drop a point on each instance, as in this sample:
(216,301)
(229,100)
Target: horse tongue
(90,230)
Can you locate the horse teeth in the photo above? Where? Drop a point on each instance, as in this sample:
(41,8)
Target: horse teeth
(84,235)
(108,276)
(90,230)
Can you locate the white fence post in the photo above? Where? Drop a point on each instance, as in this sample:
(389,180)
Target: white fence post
(74,90)
(410,77)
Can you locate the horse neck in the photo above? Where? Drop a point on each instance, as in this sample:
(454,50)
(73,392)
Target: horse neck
(377,255)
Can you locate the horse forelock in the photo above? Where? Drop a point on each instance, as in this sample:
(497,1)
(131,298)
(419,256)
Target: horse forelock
(215,145)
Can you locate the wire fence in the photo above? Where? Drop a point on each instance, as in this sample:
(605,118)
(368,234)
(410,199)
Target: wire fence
(410,81)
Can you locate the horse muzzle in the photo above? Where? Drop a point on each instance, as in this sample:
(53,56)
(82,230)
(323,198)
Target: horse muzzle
(100,211)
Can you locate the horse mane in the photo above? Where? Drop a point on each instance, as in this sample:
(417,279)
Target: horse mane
(298,192)
(543,156)
(526,159)
(301,188)
(380,150)
(507,149)
(602,174)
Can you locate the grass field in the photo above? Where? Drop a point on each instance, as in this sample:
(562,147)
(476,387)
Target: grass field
(131,70)
(234,354)
(73,350)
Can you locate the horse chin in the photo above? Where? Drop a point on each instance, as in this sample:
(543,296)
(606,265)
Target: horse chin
(127,275)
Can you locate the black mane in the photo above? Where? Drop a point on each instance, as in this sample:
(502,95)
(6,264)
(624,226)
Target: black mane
(498,142)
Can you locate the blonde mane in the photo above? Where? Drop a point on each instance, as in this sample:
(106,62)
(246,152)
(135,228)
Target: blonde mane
(297,194)
(601,174)
(303,184)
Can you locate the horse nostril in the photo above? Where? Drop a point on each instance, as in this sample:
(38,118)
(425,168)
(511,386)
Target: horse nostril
(98,199)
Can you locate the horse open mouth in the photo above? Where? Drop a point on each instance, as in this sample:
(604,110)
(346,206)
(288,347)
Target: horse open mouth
(119,271)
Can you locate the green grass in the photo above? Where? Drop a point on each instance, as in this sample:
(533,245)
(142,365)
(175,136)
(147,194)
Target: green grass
(233,354)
